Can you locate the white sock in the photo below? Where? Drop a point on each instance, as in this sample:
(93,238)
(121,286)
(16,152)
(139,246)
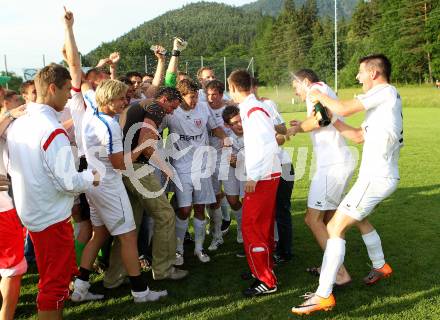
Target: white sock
(181,227)
(199,233)
(332,261)
(224,205)
(374,248)
(216,219)
(237,214)
(275,232)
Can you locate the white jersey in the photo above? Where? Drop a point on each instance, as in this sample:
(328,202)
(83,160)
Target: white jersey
(102,137)
(188,133)
(383,132)
(329,145)
(42,168)
(213,140)
(261,148)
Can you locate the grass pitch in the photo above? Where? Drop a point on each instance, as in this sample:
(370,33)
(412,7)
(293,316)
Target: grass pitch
(408,223)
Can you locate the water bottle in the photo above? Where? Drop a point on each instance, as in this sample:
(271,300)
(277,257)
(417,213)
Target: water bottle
(322,115)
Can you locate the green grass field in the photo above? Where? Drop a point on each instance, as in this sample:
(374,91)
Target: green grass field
(408,223)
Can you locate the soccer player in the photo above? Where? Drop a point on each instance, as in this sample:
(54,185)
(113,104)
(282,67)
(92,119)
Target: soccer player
(110,209)
(204,75)
(234,183)
(194,162)
(214,94)
(334,165)
(381,133)
(28,91)
(136,79)
(263,172)
(283,218)
(45,181)
(72,119)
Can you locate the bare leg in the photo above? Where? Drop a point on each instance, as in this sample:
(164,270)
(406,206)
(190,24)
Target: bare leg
(50,315)
(315,221)
(10,290)
(100,234)
(364,226)
(129,253)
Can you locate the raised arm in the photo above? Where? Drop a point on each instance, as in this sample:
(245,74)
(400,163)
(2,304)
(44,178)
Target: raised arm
(71,50)
(178,46)
(341,107)
(158,75)
(114,59)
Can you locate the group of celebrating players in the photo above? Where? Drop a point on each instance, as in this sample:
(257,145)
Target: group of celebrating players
(103,154)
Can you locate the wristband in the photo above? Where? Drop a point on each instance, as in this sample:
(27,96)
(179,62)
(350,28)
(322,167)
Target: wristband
(175,53)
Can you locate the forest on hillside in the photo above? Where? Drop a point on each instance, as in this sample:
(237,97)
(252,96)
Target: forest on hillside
(299,36)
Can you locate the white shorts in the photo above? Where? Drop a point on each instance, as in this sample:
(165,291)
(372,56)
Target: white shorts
(110,206)
(195,190)
(328,186)
(233,186)
(16,270)
(365,195)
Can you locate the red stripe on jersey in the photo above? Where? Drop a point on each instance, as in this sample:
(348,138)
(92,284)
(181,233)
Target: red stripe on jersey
(318,83)
(76,89)
(257,109)
(52,136)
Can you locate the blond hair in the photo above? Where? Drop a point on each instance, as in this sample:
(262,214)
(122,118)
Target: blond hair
(109,90)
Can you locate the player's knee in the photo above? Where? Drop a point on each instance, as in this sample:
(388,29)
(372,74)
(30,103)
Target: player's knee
(312,219)
(128,237)
(183,213)
(334,229)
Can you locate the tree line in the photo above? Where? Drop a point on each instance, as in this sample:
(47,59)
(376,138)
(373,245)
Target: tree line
(407,31)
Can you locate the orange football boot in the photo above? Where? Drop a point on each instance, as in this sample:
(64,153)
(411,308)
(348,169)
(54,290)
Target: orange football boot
(377,274)
(314,303)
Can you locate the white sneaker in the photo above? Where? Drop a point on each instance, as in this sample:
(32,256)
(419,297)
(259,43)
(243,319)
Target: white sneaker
(215,244)
(179,259)
(81,292)
(203,257)
(148,295)
(239,237)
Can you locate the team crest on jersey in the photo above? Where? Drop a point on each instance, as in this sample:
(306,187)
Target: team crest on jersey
(198,123)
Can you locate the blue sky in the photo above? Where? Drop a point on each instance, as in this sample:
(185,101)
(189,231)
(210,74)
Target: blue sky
(29,29)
